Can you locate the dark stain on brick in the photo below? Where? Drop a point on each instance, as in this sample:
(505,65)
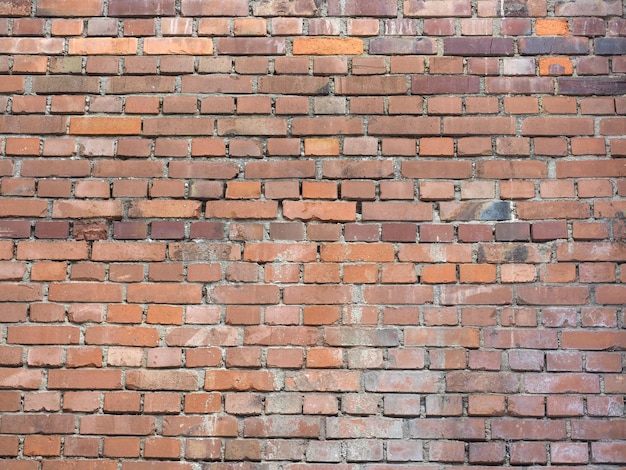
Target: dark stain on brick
(606,86)
(519,254)
(90,230)
(499,210)
(514,8)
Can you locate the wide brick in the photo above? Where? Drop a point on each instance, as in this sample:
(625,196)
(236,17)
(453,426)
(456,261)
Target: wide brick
(592,86)
(15,7)
(434,8)
(37,424)
(586,8)
(254,46)
(478,125)
(278,8)
(404,46)
(85,292)
(85,379)
(33,124)
(164,293)
(32,250)
(182,46)
(214,8)
(103,46)
(141,8)
(105,126)
(164,208)
(327,46)
(161,380)
(87,209)
(117,425)
(324,211)
(64,8)
(479,46)
(19,379)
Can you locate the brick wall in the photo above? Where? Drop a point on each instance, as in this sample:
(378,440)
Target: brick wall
(326,234)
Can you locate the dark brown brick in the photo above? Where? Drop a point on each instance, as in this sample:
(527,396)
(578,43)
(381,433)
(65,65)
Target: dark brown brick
(45,229)
(287,231)
(207,230)
(167,230)
(514,231)
(362,232)
(428,85)
(549,230)
(251,46)
(130,230)
(401,46)
(592,86)
(588,27)
(399,232)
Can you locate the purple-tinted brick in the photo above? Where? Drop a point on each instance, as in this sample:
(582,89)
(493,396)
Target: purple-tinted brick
(14,229)
(287,231)
(130,230)
(588,27)
(403,46)
(444,85)
(55,229)
(399,232)
(610,46)
(361,232)
(487,46)
(167,230)
(207,230)
(592,86)
(515,231)
(592,66)
(553,45)
(551,230)
(436,233)
(475,233)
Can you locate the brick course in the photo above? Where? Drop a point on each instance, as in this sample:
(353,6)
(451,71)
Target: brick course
(347,234)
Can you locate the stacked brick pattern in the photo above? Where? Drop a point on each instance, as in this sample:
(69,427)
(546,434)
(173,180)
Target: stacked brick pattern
(326,234)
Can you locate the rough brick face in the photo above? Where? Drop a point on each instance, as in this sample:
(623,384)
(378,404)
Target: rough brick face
(326,234)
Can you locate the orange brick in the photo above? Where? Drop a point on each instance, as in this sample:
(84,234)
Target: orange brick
(551,27)
(105,126)
(327,46)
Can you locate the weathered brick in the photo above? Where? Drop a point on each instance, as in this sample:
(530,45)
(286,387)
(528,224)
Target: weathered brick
(141,8)
(327,46)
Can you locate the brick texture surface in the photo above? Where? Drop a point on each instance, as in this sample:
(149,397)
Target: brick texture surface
(326,234)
